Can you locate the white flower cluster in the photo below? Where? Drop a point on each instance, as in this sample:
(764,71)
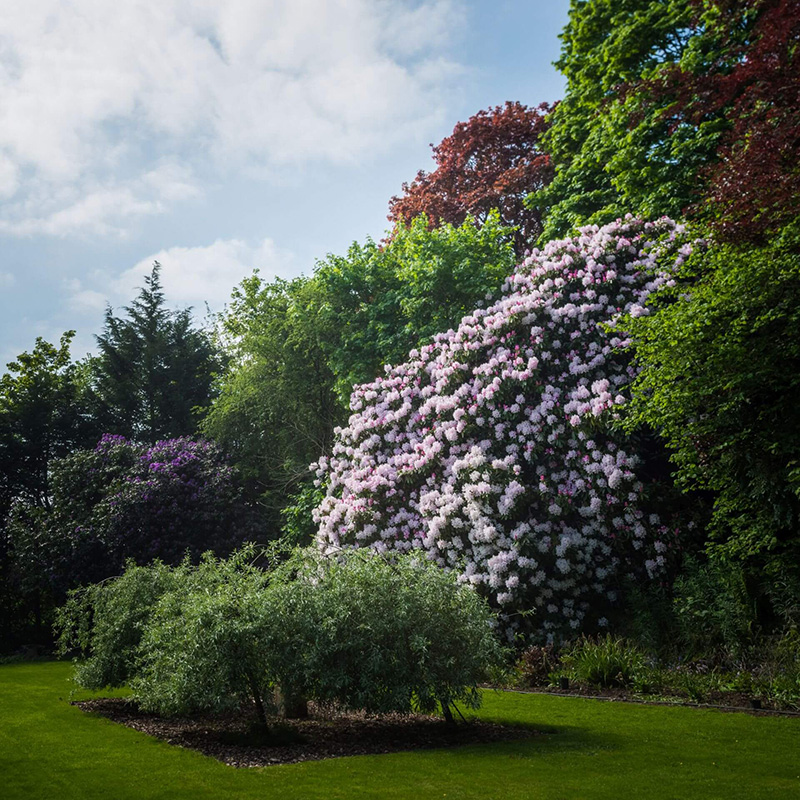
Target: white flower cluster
(491,448)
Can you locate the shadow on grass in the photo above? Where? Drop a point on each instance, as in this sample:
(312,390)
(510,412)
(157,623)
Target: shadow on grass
(550,739)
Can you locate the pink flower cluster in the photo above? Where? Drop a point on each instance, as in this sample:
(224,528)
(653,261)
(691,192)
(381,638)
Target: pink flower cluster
(493,449)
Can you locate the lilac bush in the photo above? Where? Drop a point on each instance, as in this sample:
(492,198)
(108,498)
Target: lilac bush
(495,449)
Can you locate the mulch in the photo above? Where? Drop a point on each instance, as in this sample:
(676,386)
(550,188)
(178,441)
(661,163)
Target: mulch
(326,734)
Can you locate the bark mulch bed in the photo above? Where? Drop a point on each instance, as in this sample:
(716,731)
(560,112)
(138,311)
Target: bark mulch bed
(229,738)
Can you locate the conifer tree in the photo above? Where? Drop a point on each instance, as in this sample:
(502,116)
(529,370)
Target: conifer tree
(155,369)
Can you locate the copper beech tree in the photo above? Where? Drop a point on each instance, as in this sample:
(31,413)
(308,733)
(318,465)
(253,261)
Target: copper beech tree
(754,81)
(491,161)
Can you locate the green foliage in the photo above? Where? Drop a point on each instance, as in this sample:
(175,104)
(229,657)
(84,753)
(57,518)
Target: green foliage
(719,376)
(105,622)
(774,679)
(715,610)
(297,347)
(782,681)
(647,617)
(204,646)
(362,631)
(383,300)
(604,662)
(297,523)
(43,416)
(356,631)
(656,118)
(677,107)
(611,155)
(155,371)
(276,408)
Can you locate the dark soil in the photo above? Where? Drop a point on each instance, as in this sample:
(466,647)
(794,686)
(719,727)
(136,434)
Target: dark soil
(230,739)
(724,701)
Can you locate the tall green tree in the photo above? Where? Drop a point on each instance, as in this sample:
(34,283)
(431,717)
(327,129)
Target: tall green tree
(677,107)
(155,370)
(276,408)
(719,376)
(298,347)
(383,300)
(741,66)
(609,157)
(44,415)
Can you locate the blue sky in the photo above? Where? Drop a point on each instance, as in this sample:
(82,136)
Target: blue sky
(219,137)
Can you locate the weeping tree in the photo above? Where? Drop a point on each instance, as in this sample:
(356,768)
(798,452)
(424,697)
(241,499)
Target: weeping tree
(352,630)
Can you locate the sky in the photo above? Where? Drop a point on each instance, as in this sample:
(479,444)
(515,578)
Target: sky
(218,137)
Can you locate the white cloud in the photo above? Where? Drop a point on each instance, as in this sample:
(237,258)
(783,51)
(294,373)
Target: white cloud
(97,208)
(190,276)
(6,279)
(87,299)
(198,275)
(96,96)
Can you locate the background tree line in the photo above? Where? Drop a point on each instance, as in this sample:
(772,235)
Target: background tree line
(686,108)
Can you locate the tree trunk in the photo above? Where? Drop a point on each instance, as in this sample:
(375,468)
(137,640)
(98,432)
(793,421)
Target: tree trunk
(446,712)
(254,690)
(290,706)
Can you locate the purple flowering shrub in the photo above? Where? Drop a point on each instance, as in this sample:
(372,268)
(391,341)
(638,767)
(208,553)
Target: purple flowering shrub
(123,500)
(495,450)
(180,496)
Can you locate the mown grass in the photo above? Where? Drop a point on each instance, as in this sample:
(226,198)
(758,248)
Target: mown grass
(591,749)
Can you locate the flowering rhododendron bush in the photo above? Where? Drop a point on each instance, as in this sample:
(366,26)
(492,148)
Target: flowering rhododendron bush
(122,500)
(179,496)
(494,448)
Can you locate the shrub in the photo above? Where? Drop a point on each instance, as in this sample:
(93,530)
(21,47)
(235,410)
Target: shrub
(354,631)
(536,663)
(362,631)
(204,647)
(124,501)
(715,611)
(605,662)
(495,449)
(105,622)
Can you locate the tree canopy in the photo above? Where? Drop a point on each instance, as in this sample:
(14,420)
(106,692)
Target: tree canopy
(277,407)
(382,301)
(489,163)
(298,347)
(43,416)
(719,371)
(609,156)
(678,107)
(155,370)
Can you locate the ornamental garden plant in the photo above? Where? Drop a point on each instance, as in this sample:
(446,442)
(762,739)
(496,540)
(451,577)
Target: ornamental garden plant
(122,501)
(357,631)
(496,450)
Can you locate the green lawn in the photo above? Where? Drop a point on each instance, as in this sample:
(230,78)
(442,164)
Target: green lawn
(49,749)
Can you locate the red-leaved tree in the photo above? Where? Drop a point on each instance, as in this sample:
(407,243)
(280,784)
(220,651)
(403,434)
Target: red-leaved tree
(491,161)
(752,79)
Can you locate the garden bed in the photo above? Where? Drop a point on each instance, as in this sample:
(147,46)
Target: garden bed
(722,701)
(229,739)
